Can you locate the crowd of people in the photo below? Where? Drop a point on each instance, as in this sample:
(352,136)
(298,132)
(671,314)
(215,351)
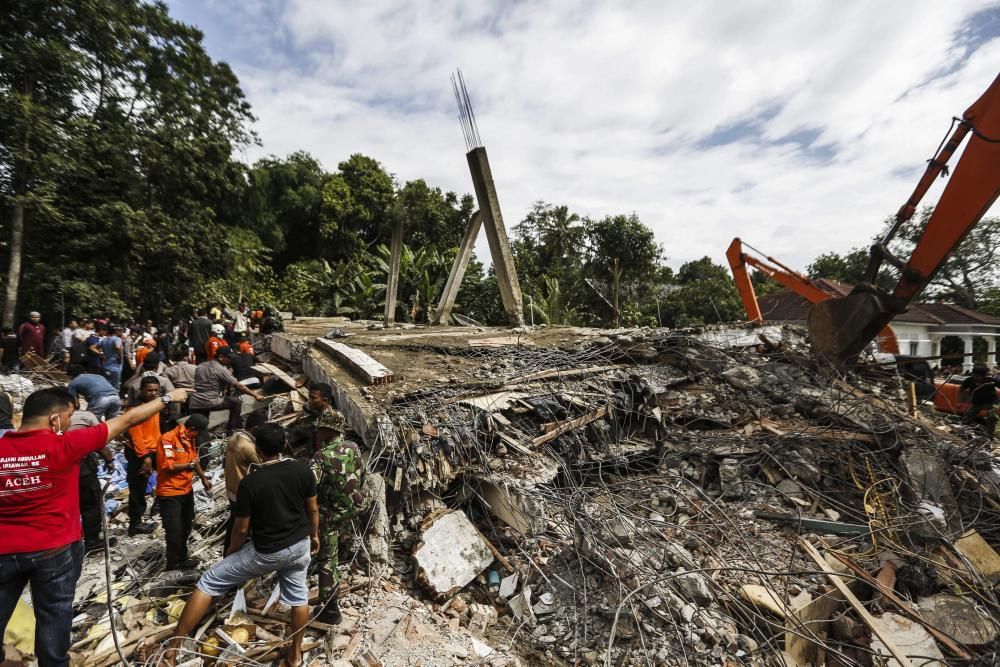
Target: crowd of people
(290,491)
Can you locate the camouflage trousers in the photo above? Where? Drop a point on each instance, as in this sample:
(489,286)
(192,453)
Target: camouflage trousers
(328,558)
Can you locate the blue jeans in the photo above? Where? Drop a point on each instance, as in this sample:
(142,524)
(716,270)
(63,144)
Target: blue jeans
(114,377)
(107,407)
(53,580)
(291,564)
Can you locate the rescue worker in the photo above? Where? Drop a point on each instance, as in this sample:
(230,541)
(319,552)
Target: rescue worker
(176,464)
(216,341)
(339,471)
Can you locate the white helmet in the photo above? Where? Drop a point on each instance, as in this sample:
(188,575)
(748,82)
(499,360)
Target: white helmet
(218,329)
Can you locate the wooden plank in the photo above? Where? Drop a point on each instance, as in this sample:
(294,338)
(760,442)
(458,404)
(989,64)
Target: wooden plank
(566,426)
(887,592)
(500,341)
(859,608)
(271,369)
(357,361)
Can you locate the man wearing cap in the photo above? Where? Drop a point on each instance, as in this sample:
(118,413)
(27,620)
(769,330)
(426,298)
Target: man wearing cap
(211,380)
(176,464)
(339,471)
(31,335)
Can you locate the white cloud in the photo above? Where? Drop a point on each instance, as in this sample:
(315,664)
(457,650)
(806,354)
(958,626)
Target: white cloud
(605,106)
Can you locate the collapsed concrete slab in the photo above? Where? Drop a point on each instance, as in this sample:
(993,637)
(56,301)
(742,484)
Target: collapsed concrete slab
(451,553)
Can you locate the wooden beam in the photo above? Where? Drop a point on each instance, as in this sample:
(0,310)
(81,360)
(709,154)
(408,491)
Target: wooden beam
(859,608)
(555,429)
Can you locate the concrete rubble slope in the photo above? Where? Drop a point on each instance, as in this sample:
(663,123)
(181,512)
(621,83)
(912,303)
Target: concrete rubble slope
(641,497)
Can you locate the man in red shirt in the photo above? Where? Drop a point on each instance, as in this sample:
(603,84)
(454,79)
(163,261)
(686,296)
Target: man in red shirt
(40,511)
(176,463)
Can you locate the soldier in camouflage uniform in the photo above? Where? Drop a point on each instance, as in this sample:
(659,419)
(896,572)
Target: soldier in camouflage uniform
(339,471)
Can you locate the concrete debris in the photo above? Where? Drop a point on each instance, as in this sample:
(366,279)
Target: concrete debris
(573,496)
(917,644)
(960,618)
(451,553)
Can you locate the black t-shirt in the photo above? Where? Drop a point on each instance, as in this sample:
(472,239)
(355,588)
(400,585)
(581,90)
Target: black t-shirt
(274,496)
(241,365)
(983,393)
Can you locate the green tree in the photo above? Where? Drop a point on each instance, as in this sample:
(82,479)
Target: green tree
(357,206)
(285,202)
(623,248)
(432,217)
(705,294)
(970,272)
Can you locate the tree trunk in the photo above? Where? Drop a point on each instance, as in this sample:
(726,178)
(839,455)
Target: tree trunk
(616,275)
(20,179)
(14,269)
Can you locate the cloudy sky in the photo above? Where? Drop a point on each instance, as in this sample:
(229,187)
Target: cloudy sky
(797,125)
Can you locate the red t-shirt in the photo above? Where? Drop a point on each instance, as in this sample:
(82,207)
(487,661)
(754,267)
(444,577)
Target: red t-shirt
(40,487)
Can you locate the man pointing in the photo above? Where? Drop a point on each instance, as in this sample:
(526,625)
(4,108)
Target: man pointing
(40,511)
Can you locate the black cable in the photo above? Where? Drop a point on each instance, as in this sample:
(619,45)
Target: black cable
(107,576)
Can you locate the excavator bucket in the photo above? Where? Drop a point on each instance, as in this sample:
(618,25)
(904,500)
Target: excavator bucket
(840,328)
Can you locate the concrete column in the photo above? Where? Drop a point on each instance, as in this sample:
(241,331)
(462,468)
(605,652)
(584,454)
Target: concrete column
(991,351)
(936,347)
(967,360)
(392,285)
(496,234)
(450,291)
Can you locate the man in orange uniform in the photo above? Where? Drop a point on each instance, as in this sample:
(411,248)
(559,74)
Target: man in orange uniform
(176,463)
(215,342)
(140,450)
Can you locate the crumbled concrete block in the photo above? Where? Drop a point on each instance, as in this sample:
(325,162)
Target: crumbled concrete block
(450,554)
(958,617)
(912,639)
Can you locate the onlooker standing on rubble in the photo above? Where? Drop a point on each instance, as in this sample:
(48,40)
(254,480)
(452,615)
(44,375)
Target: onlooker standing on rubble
(113,356)
(102,399)
(91,498)
(40,515)
(140,454)
(339,472)
(276,506)
(31,335)
(211,380)
(176,463)
(241,453)
(199,331)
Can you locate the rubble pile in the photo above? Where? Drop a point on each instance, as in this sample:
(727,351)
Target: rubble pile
(650,497)
(660,498)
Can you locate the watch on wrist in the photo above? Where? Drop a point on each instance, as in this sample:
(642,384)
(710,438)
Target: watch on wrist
(166,399)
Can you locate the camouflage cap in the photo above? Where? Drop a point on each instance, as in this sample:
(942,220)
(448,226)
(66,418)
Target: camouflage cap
(331,419)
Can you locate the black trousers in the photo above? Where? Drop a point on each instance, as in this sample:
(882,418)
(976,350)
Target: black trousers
(231,403)
(177,514)
(91,503)
(136,486)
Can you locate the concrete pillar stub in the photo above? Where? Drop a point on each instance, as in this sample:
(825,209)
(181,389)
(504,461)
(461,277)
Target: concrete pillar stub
(392,284)
(991,350)
(450,291)
(496,234)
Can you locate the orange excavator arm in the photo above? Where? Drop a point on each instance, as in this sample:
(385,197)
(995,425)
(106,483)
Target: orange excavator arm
(840,328)
(808,289)
(773,269)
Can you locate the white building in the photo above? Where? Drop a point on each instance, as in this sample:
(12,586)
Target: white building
(920,331)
